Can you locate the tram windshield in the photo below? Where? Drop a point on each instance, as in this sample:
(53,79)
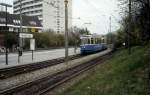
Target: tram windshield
(88,39)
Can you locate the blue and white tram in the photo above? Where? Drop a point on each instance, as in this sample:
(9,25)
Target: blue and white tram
(88,45)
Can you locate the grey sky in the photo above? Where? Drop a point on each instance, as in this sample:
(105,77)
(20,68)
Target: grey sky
(96,12)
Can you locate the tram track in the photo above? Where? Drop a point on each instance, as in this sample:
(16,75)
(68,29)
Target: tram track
(20,69)
(43,85)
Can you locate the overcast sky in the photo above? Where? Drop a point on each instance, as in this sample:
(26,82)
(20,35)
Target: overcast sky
(96,12)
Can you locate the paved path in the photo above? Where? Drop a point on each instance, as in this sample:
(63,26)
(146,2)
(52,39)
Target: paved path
(38,57)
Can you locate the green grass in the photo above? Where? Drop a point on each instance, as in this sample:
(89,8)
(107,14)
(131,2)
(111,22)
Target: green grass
(123,74)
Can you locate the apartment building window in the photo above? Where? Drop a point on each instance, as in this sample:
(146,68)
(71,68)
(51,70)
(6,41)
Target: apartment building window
(41,21)
(16,21)
(16,2)
(40,16)
(33,23)
(3,20)
(58,21)
(58,24)
(17,7)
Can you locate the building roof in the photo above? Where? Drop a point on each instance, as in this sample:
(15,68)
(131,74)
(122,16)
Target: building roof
(14,19)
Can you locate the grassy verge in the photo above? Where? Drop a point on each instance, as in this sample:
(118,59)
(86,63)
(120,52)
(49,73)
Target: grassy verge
(121,75)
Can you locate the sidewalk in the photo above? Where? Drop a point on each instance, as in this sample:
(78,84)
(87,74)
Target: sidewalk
(39,56)
(37,50)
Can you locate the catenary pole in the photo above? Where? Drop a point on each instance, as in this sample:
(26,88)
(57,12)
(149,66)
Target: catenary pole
(129,28)
(110,31)
(19,40)
(6,30)
(66,31)
(6,42)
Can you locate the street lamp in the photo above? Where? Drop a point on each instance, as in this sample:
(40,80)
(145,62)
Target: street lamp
(66,30)
(6,31)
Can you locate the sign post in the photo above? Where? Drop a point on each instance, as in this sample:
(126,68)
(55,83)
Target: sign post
(32,46)
(25,35)
(29,36)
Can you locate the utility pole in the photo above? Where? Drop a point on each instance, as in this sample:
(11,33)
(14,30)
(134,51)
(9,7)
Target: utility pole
(110,30)
(110,24)
(58,16)
(66,31)
(19,40)
(6,30)
(6,37)
(129,27)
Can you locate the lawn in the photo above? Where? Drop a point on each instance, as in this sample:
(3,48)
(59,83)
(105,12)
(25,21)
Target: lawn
(123,74)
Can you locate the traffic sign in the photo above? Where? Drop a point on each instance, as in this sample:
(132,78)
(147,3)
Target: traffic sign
(25,35)
(32,44)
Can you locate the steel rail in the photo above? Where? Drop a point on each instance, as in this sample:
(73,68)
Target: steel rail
(47,83)
(20,69)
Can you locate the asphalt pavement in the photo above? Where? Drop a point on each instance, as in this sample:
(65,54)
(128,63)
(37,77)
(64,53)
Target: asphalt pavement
(39,56)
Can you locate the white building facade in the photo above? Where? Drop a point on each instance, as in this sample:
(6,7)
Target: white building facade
(51,13)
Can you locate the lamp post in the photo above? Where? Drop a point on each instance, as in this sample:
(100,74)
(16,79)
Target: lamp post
(66,31)
(6,31)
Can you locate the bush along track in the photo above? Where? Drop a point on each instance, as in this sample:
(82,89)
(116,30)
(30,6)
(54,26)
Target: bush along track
(123,74)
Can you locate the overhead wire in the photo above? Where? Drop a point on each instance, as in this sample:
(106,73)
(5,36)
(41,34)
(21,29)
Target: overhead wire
(94,8)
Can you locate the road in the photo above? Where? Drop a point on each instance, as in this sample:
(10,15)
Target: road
(38,57)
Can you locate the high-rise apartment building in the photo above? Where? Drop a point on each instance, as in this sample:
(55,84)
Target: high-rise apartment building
(51,13)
